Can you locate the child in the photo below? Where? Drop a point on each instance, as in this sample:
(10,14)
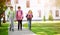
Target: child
(29,18)
(19,17)
(11,15)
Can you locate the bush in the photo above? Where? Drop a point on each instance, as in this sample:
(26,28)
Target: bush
(50,18)
(44,19)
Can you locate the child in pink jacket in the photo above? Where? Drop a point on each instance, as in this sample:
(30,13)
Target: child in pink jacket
(19,17)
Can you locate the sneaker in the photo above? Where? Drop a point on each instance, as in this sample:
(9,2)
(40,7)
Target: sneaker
(18,29)
(12,29)
(9,29)
(29,29)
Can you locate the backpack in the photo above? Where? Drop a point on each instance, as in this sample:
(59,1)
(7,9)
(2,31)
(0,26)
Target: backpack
(29,16)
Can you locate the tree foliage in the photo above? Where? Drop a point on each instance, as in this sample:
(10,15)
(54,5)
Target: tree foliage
(3,6)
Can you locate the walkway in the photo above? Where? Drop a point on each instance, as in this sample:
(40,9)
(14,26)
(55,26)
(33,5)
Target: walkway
(23,32)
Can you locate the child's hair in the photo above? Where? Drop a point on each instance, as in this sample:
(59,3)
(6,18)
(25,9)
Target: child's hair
(19,7)
(30,11)
(11,6)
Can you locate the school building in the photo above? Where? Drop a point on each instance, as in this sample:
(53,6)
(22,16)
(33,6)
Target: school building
(39,8)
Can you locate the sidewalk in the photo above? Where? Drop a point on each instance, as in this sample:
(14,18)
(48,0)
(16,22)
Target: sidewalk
(23,32)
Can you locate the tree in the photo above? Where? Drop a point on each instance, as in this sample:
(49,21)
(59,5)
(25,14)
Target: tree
(3,7)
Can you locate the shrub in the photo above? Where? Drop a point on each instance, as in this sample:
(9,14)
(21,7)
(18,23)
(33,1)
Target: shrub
(50,18)
(44,19)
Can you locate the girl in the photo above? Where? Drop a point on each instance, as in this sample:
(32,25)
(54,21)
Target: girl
(29,18)
(19,17)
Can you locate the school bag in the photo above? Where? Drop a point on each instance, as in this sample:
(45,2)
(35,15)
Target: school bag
(29,16)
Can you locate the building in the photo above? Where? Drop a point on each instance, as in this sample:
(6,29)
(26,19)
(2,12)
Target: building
(39,8)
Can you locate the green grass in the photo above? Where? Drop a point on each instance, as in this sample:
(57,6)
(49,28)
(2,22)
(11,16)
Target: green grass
(45,28)
(4,29)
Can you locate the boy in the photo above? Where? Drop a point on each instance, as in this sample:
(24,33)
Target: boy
(11,15)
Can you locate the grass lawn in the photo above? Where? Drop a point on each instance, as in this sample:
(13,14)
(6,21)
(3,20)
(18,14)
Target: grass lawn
(4,29)
(45,28)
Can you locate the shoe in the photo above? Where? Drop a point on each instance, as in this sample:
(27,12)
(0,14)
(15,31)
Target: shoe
(12,29)
(9,29)
(18,29)
(29,29)
(21,29)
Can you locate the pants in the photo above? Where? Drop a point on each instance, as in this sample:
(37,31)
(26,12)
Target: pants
(29,24)
(19,24)
(12,24)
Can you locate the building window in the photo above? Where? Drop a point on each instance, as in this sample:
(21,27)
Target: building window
(57,13)
(38,1)
(8,2)
(16,1)
(28,3)
(39,13)
(50,12)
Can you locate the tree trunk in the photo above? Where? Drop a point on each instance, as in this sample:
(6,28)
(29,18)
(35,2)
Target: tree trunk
(0,21)
(4,18)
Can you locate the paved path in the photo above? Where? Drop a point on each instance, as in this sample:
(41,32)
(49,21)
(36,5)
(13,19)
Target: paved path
(23,32)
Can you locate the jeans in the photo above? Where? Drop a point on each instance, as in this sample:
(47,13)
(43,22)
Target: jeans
(19,24)
(12,24)
(29,24)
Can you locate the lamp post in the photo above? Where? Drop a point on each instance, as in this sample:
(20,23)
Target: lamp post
(16,2)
